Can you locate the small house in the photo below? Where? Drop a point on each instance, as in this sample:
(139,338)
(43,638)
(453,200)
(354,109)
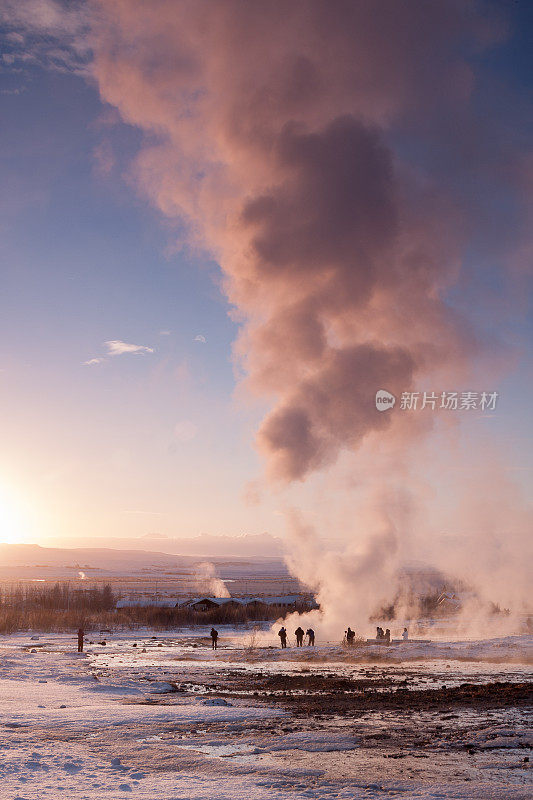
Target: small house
(203,604)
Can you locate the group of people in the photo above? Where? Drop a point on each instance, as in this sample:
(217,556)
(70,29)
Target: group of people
(299,633)
(383,637)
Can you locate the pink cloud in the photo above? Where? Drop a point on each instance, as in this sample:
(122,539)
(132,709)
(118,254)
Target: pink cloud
(270,136)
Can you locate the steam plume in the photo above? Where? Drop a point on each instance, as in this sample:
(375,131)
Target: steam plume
(207,582)
(277,155)
(276,131)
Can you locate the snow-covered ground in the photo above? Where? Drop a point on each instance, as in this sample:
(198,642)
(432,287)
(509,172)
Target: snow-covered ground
(110,723)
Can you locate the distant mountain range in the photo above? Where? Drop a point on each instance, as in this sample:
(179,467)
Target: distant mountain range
(121,554)
(261,545)
(33,555)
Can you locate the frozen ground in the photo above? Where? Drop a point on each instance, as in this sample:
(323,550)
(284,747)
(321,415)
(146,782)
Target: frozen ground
(168,719)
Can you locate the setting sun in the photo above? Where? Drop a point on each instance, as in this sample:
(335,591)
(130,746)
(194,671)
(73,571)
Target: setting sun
(13,522)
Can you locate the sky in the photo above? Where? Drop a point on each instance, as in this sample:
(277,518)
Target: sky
(131,445)
(184,345)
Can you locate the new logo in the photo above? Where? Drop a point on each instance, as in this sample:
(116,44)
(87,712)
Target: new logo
(384,400)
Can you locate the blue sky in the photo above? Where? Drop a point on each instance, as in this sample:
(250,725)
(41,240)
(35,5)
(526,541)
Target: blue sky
(85,261)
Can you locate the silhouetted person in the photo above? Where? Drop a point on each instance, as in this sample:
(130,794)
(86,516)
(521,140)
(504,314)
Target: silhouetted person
(379,634)
(387,636)
(311,637)
(283,637)
(214,638)
(299,633)
(405,635)
(81,634)
(350,636)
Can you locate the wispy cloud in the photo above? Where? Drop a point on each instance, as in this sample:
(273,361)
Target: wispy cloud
(47,33)
(165,333)
(200,338)
(115,347)
(185,431)
(18,90)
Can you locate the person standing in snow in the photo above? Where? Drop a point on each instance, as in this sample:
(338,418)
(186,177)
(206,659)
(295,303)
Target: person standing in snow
(405,635)
(283,637)
(350,636)
(311,637)
(214,638)
(387,636)
(81,634)
(299,633)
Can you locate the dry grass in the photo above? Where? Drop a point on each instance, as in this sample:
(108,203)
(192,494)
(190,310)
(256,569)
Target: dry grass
(185,617)
(358,641)
(59,609)
(48,620)
(251,647)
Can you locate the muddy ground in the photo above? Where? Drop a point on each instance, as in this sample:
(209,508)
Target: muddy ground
(442,728)
(385,728)
(311,694)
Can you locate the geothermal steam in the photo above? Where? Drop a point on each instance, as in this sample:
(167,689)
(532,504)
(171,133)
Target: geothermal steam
(281,134)
(206,581)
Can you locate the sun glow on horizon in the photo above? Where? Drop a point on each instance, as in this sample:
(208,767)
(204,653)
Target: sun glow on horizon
(14,528)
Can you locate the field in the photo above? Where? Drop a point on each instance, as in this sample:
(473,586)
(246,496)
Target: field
(47,598)
(162,716)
